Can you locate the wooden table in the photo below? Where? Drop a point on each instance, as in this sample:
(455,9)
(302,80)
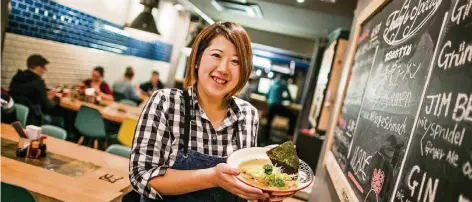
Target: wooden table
(112,111)
(69,172)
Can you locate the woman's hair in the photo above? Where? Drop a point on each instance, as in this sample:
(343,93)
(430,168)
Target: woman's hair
(234,33)
(100,70)
(129,73)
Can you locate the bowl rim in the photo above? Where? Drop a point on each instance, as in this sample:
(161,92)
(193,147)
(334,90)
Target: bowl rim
(271,190)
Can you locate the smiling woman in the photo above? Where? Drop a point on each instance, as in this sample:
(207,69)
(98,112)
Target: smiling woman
(227,43)
(164,163)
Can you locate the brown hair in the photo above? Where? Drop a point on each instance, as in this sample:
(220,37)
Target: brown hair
(129,73)
(234,33)
(100,70)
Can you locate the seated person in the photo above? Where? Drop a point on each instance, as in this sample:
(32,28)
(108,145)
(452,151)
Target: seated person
(8,108)
(96,81)
(28,88)
(154,84)
(124,89)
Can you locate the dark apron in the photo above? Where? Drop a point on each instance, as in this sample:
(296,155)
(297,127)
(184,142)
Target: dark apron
(192,160)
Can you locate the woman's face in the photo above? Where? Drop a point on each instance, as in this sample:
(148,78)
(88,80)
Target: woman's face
(96,76)
(219,69)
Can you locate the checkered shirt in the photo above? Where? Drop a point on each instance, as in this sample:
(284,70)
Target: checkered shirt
(157,136)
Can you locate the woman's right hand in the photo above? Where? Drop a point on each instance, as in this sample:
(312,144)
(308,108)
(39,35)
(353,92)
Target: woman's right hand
(224,177)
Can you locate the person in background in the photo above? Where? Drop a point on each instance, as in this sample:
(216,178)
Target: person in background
(28,88)
(154,84)
(124,89)
(277,94)
(102,89)
(183,137)
(249,88)
(8,108)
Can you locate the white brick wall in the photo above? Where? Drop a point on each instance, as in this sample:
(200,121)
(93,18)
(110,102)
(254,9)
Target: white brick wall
(70,64)
(115,11)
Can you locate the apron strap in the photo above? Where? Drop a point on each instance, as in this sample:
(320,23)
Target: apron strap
(187,121)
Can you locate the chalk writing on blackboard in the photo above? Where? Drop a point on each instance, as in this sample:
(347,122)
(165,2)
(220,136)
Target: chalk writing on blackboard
(398,53)
(403,23)
(449,57)
(451,135)
(461,11)
(386,122)
(425,189)
(462,109)
(395,72)
(421,185)
(377,182)
(467,169)
(375,32)
(359,161)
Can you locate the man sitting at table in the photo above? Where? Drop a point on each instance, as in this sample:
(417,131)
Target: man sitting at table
(102,89)
(152,85)
(28,88)
(124,89)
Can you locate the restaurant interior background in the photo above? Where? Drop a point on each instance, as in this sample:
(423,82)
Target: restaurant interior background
(290,37)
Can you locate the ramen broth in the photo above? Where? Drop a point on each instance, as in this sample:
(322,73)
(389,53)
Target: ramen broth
(258,164)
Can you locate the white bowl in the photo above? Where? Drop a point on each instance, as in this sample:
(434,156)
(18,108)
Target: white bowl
(305,174)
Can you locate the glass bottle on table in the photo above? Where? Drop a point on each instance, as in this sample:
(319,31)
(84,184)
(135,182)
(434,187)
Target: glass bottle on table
(34,150)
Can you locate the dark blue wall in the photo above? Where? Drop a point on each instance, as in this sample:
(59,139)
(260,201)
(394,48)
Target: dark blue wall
(49,20)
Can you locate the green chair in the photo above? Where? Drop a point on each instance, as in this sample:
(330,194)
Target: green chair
(54,131)
(119,150)
(89,123)
(12,193)
(22,113)
(129,102)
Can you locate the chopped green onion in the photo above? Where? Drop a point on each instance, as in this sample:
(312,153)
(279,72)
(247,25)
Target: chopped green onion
(267,169)
(276,182)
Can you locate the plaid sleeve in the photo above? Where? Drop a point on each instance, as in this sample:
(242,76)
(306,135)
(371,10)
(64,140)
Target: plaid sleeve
(152,145)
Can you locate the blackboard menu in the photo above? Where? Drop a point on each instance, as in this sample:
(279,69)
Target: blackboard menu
(357,81)
(405,132)
(438,163)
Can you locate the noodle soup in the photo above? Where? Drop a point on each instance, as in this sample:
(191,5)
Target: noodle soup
(261,173)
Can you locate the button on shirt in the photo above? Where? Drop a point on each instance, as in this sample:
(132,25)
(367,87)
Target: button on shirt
(157,137)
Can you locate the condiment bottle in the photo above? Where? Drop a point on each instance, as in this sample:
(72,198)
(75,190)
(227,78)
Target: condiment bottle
(43,145)
(34,151)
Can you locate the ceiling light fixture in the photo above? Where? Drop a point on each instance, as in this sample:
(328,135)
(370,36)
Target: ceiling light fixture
(300,1)
(145,20)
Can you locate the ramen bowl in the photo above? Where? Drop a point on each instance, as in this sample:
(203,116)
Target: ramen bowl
(304,179)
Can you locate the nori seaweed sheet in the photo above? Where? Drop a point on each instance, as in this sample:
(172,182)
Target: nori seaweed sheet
(285,156)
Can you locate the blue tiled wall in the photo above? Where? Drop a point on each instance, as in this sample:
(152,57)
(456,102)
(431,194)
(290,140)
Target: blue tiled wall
(49,20)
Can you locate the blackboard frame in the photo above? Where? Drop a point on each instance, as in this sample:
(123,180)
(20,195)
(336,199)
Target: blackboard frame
(340,182)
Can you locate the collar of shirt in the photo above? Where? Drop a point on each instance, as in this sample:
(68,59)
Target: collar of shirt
(232,116)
